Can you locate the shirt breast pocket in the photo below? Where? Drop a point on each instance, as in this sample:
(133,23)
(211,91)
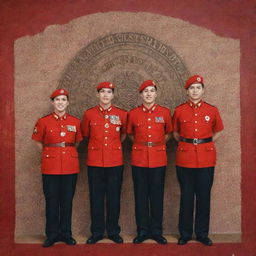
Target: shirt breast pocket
(186,123)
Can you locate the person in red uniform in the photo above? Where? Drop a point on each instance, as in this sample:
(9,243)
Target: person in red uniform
(56,135)
(149,127)
(196,125)
(105,127)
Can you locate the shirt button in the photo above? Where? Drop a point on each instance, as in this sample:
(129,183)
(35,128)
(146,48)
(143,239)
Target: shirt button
(195,114)
(196,130)
(106,130)
(63,152)
(62,126)
(195,122)
(149,127)
(106,144)
(149,119)
(149,135)
(106,138)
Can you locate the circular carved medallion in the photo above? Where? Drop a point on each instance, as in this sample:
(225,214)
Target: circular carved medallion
(126,59)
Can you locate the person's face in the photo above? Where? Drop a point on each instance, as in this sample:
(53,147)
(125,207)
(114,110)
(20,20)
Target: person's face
(105,96)
(195,92)
(60,103)
(149,95)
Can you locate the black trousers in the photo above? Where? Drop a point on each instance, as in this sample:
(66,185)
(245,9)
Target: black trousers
(195,185)
(105,182)
(149,195)
(59,192)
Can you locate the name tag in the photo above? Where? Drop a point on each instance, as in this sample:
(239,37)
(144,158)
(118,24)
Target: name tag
(114,119)
(159,119)
(71,128)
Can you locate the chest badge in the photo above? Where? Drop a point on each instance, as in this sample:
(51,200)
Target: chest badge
(207,118)
(62,134)
(71,128)
(159,119)
(114,119)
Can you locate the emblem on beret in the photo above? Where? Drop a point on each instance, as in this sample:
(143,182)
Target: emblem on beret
(199,79)
(61,91)
(111,85)
(207,118)
(35,130)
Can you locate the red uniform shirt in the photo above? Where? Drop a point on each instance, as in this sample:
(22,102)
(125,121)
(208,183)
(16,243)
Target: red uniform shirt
(199,121)
(104,129)
(53,129)
(149,126)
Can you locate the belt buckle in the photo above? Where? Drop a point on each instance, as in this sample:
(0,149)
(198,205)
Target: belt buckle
(195,141)
(62,144)
(150,144)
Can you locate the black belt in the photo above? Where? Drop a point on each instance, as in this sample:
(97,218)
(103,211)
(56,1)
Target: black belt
(61,144)
(196,141)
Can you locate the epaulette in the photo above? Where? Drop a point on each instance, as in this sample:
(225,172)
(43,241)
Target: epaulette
(182,104)
(134,109)
(120,108)
(90,108)
(210,104)
(163,107)
(47,115)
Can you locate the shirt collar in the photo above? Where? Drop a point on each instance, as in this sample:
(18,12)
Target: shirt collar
(105,110)
(149,109)
(57,117)
(193,105)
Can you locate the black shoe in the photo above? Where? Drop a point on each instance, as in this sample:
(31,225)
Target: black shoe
(48,243)
(205,240)
(183,240)
(116,238)
(68,240)
(140,238)
(159,239)
(94,239)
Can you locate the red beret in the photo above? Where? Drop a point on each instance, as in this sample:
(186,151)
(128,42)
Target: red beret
(194,79)
(58,92)
(105,85)
(146,84)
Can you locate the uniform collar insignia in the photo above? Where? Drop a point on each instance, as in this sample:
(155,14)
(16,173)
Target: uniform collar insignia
(151,109)
(193,105)
(57,117)
(105,110)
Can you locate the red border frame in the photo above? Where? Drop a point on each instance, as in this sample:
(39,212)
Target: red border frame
(229,18)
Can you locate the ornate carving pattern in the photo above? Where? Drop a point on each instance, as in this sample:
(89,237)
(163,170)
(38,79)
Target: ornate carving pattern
(126,59)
